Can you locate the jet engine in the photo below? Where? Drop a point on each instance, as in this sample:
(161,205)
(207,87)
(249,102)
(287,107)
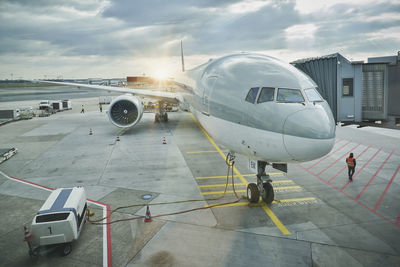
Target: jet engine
(125,111)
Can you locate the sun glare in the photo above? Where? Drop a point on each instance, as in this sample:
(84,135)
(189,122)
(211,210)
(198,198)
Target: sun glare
(160,74)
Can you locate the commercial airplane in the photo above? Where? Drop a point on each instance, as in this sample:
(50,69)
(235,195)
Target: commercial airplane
(253,104)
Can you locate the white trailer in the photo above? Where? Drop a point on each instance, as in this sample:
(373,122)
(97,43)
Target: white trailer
(67,104)
(60,219)
(57,105)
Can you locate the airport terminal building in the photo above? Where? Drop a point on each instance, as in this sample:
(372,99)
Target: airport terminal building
(357,91)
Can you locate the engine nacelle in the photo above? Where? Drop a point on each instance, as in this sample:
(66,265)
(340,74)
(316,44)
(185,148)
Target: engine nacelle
(125,111)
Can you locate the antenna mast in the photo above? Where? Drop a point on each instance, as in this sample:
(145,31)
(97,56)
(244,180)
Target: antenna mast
(183,62)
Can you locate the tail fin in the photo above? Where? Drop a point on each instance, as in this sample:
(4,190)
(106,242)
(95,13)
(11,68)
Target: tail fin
(183,61)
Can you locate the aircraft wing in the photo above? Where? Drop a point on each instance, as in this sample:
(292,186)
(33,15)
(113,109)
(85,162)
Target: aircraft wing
(159,95)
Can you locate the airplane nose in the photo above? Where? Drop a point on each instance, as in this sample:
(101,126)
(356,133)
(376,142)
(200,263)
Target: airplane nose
(310,133)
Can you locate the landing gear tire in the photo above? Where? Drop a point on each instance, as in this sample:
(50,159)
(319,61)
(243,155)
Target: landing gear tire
(67,249)
(268,193)
(253,194)
(157,118)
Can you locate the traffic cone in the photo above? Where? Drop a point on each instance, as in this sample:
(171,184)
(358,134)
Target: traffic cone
(117,139)
(28,235)
(163,141)
(148,215)
(90,132)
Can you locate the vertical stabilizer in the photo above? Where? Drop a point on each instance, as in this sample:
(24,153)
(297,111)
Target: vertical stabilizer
(183,61)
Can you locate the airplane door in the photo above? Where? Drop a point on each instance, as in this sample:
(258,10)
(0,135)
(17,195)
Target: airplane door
(209,86)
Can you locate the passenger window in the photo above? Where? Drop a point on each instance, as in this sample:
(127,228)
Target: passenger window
(266,94)
(289,95)
(252,95)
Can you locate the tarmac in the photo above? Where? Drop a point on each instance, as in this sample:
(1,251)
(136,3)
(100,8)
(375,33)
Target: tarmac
(318,218)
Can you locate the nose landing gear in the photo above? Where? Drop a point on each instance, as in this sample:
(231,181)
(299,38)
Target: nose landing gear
(263,186)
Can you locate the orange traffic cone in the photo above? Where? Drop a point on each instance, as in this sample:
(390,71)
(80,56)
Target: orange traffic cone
(28,235)
(148,215)
(163,141)
(90,132)
(117,138)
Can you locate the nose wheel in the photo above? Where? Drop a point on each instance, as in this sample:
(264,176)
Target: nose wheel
(253,194)
(263,187)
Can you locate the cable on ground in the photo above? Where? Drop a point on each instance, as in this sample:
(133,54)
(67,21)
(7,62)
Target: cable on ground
(230,162)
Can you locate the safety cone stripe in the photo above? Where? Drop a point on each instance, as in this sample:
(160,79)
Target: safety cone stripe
(28,235)
(148,215)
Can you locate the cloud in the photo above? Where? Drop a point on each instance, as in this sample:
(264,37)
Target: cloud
(128,36)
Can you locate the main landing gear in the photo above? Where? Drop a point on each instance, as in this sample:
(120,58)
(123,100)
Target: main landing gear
(263,186)
(161,115)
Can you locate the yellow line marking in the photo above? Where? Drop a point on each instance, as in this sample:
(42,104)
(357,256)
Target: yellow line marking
(282,181)
(242,191)
(241,184)
(289,200)
(219,185)
(224,176)
(206,151)
(286,187)
(218,149)
(221,192)
(275,219)
(277,222)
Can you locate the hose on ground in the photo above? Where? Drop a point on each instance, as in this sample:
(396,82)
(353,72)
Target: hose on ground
(230,162)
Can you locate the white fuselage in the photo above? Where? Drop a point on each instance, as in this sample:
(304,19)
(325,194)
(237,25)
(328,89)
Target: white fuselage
(274,131)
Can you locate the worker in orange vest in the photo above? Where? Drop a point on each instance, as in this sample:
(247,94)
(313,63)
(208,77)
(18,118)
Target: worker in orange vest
(351,165)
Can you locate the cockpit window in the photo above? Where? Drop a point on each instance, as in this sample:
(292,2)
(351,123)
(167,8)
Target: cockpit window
(289,95)
(266,94)
(252,95)
(312,95)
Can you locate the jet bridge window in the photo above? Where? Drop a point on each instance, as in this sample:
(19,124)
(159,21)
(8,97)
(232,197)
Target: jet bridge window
(252,95)
(266,94)
(289,95)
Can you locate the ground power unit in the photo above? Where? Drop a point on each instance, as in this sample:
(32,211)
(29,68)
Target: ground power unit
(60,220)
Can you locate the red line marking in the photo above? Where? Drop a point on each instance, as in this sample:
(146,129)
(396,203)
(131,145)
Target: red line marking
(327,156)
(373,177)
(386,189)
(24,181)
(358,202)
(398,219)
(346,166)
(336,175)
(338,159)
(109,251)
(354,176)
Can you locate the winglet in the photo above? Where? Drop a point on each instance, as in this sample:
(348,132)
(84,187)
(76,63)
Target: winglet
(183,61)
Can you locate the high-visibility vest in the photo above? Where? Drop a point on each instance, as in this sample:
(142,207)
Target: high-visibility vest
(350,162)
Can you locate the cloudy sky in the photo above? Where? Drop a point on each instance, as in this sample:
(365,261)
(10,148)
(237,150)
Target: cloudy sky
(118,38)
